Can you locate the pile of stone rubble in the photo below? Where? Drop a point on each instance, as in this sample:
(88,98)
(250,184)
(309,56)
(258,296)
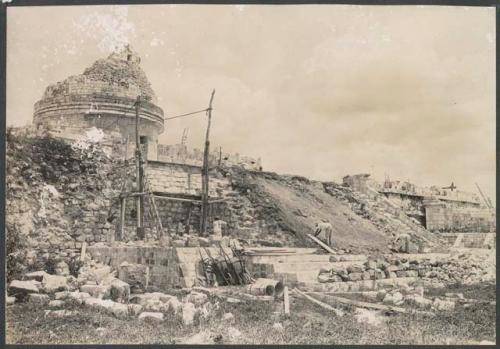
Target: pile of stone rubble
(461,267)
(97,287)
(413,297)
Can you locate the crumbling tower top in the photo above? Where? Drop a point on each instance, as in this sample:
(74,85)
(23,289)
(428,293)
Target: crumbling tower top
(102,96)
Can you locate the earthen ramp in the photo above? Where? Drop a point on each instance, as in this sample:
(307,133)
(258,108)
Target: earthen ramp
(296,204)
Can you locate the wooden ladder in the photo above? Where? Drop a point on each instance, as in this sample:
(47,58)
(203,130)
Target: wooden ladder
(152,202)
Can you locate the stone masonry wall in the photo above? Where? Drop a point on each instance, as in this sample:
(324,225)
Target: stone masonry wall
(180,154)
(59,196)
(450,218)
(183,179)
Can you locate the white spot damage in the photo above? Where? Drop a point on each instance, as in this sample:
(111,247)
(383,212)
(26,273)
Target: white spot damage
(113,29)
(92,136)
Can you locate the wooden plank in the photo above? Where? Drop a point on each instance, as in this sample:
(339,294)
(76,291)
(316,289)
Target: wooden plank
(458,240)
(286,299)
(132,194)
(196,202)
(321,304)
(368,305)
(319,242)
(204,173)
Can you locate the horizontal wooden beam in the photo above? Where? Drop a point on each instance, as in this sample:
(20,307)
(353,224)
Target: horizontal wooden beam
(131,194)
(319,242)
(170,198)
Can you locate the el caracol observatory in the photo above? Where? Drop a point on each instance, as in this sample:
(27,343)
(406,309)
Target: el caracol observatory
(103,97)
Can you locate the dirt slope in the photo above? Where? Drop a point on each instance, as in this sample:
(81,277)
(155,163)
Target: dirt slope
(295,204)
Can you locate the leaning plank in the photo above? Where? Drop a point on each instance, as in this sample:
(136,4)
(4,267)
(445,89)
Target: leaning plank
(321,304)
(319,242)
(364,304)
(286,300)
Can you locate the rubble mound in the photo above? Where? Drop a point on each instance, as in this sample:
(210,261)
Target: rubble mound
(282,205)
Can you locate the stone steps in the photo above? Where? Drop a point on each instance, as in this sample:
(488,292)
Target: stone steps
(304,258)
(350,286)
(314,267)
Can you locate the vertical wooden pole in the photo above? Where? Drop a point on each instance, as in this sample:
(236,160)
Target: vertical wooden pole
(138,162)
(286,299)
(204,172)
(122,218)
(220,156)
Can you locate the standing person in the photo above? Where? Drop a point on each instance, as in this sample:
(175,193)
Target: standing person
(218,226)
(401,243)
(326,230)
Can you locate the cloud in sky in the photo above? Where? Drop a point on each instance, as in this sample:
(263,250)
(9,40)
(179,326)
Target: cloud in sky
(317,90)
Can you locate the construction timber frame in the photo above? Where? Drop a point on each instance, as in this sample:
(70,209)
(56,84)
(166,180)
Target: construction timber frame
(204,172)
(140,194)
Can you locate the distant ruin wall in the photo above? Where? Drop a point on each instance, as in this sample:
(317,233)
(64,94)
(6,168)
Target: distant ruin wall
(179,153)
(445,217)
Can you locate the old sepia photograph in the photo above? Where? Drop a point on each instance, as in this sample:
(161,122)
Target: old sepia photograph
(250,174)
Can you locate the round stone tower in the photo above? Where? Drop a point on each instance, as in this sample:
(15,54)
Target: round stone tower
(103,97)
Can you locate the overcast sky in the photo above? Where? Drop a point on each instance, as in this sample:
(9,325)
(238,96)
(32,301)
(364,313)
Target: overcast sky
(318,90)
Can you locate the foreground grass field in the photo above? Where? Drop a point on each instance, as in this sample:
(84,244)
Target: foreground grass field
(253,324)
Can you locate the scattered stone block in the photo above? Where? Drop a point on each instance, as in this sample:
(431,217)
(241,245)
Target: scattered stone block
(355,276)
(120,291)
(154,305)
(97,291)
(56,304)
(397,298)
(355,269)
(59,313)
(23,288)
(192,242)
(371,264)
(155,316)
(232,300)
(10,300)
(178,243)
(38,298)
(174,304)
(229,317)
(54,283)
(418,301)
(188,312)
(118,309)
(366,275)
(443,305)
(36,275)
(388,299)
(381,295)
(61,295)
(134,309)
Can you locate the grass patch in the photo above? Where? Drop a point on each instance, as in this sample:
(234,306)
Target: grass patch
(307,324)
